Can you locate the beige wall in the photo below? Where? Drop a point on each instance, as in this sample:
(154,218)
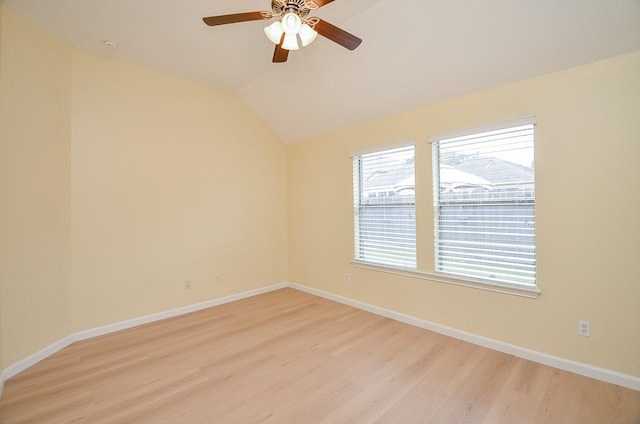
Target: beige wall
(119,183)
(2,366)
(35,114)
(588,229)
(171,180)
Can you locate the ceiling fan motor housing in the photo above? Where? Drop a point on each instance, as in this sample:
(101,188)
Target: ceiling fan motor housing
(301,7)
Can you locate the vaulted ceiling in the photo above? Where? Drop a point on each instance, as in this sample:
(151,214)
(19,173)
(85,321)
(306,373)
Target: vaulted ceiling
(414,53)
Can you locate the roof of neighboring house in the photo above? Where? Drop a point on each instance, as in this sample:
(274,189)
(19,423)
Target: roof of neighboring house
(385,180)
(496,170)
(455,177)
(477,171)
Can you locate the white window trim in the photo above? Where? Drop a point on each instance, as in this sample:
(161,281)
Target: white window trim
(513,289)
(382,148)
(529,292)
(379,149)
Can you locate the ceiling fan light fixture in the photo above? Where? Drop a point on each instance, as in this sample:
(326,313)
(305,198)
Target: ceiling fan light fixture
(291,23)
(274,32)
(307,35)
(290,42)
(293,26)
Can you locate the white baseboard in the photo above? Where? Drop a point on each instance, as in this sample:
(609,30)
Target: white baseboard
(586,370)
(111,328)
(597,373)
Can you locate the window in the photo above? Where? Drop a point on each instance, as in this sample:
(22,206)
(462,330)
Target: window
(484,204)
(384,207)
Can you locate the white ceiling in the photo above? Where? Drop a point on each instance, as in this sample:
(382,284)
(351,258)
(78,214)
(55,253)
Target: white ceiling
(414,53)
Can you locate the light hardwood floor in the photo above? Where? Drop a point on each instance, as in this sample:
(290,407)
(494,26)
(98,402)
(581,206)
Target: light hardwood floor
(289,357)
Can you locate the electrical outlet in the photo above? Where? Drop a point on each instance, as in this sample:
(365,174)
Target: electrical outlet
(187,284)
(584,328)
(347,277)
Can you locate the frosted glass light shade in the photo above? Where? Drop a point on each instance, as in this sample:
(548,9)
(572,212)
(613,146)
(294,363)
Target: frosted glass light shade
(307,34)
(274,32)
(290,42)
(291,23)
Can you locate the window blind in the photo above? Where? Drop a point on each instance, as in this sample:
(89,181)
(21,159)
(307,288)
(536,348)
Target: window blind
(384,207)
(484,205)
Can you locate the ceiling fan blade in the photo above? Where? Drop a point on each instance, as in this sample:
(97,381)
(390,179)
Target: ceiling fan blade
(321,3)
(337,35)
(280,55)
(233,18)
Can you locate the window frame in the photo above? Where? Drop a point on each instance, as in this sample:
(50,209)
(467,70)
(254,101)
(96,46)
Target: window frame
(511,287)
(359,206)
(426,264)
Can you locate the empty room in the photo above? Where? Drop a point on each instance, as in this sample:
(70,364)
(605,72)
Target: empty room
(319,211)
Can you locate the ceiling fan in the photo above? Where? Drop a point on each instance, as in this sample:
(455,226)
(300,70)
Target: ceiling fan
(294,22)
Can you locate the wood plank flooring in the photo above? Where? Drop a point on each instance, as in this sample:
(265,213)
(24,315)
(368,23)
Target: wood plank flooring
(288,357)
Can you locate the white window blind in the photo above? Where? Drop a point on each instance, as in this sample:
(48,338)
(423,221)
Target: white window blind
(484,204)
(384,207)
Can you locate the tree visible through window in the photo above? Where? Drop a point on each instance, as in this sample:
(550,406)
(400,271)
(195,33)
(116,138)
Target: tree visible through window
(384,207)
(484,200)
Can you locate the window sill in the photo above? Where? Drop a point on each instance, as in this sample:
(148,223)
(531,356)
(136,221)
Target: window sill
(449,279)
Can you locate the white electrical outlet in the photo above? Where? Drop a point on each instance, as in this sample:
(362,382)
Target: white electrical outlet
(187,284)
(584,328)
(347,277)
